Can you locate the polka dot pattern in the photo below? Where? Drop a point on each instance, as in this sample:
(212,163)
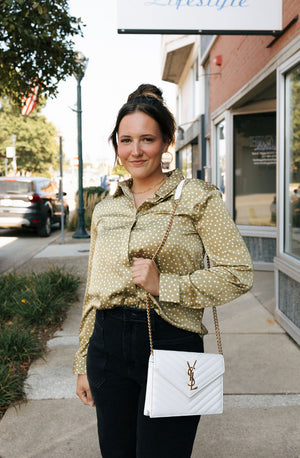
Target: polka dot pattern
(202,223)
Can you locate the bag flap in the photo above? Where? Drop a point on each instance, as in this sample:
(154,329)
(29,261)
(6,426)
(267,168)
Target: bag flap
(188,372)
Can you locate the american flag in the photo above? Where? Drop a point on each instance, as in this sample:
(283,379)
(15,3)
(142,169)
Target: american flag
(29,101)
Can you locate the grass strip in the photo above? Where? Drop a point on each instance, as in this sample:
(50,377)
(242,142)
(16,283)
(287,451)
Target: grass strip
(32,307)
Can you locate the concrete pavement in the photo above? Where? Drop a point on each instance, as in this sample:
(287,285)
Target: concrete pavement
(261,384)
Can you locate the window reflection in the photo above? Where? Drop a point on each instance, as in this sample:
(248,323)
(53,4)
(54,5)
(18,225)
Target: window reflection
(185,161)
(292,163)
(221,158)
(255,169)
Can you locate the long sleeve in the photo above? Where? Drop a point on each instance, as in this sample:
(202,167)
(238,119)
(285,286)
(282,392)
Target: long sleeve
(120,232)
(231,273)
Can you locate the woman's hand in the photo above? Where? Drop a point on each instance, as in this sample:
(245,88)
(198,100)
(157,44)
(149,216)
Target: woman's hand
(146,275)
(83,390)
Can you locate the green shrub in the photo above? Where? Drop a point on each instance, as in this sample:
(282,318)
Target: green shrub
(11,386)
(64,282)
(18,344)
(91,196)
(38,299)
(9,283)
(31,308)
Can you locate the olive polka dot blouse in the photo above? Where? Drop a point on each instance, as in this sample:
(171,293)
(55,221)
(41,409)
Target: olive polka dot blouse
(120,232)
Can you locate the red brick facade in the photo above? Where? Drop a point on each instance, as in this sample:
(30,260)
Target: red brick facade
(244,56)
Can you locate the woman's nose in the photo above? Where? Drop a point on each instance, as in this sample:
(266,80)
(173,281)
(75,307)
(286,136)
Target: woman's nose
(136,150)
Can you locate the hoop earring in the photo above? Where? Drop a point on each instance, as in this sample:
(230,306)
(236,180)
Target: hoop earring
(167,157)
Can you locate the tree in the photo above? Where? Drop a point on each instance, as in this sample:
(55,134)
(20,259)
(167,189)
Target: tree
(119,170)
(36,144)
(35,46)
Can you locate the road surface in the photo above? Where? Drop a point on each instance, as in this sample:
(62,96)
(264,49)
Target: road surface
(18,245)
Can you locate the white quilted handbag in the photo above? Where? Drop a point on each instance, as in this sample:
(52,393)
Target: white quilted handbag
(183,383)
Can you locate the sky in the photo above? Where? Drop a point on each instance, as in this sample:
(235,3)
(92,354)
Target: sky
(118,63)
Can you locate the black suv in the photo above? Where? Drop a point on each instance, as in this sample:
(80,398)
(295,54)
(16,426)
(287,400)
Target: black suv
(30,202)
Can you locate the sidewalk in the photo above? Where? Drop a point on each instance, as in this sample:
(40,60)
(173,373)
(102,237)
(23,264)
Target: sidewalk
(262,382)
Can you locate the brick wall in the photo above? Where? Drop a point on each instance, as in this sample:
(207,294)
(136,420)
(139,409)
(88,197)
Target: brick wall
(244,56)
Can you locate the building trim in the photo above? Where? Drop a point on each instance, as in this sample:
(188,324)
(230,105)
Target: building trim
(258,231)
(288,325)
(281,71)
(263,266)
(282,319)
(290,269)
(205,56)
(279,59)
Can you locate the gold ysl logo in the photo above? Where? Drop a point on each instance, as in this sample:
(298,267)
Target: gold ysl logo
(190,373)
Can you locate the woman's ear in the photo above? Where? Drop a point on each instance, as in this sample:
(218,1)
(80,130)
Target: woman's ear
(166,147)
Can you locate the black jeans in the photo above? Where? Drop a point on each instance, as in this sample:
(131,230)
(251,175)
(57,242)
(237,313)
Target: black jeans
(117,365)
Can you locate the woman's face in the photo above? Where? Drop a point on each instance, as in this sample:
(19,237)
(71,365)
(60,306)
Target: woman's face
(140,145)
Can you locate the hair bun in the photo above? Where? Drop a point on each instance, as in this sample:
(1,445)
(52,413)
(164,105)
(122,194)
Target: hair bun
(147,90)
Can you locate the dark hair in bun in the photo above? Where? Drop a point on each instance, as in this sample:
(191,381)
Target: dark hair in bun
(147,90)
(147,99)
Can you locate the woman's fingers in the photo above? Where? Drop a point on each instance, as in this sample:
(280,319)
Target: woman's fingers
(83,390)
(145,274)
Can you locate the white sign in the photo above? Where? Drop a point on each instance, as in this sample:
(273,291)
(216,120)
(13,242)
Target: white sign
(10,151)
(199,16)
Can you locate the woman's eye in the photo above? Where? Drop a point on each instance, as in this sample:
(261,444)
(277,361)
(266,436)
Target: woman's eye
(148,139)
(125,140)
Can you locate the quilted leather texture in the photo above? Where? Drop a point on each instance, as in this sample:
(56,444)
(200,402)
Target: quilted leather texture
(184,383)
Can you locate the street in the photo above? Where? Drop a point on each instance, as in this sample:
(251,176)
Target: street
(19,245)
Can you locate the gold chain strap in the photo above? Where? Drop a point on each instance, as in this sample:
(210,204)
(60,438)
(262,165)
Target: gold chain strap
(217,329)
(216,322)
(215,315)
(153,259)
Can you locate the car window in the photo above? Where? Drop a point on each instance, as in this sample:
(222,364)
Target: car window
(49,187)
(14,187)
(45,186)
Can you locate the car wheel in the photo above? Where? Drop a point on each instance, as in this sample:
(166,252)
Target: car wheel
(45,228)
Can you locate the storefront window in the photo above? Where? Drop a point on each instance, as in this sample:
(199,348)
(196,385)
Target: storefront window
(221,158)
(185,161)
(292,162)
(255,169)
(197,88)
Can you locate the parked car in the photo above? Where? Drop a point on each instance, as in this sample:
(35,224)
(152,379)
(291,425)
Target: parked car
(30,202)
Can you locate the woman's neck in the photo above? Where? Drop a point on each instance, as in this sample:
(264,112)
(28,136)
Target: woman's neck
(142,191)
(146,186)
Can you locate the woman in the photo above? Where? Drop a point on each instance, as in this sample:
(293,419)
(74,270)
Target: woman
(126,230)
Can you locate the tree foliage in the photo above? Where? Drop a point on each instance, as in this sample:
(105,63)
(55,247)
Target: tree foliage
(119,170)
(36,46)
(36,143)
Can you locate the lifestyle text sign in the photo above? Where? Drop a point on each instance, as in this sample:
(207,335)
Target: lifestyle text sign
(200,16)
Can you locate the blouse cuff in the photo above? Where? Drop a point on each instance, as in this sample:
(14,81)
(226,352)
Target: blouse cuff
(169,288)
(79,365)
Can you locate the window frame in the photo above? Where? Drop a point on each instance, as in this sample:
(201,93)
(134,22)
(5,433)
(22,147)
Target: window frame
(226,118)
(245,230)
(285,261)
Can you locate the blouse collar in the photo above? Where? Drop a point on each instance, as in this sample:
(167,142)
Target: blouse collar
(168,187)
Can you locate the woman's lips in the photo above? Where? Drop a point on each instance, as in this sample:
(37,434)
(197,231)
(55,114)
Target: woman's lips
(138,162)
